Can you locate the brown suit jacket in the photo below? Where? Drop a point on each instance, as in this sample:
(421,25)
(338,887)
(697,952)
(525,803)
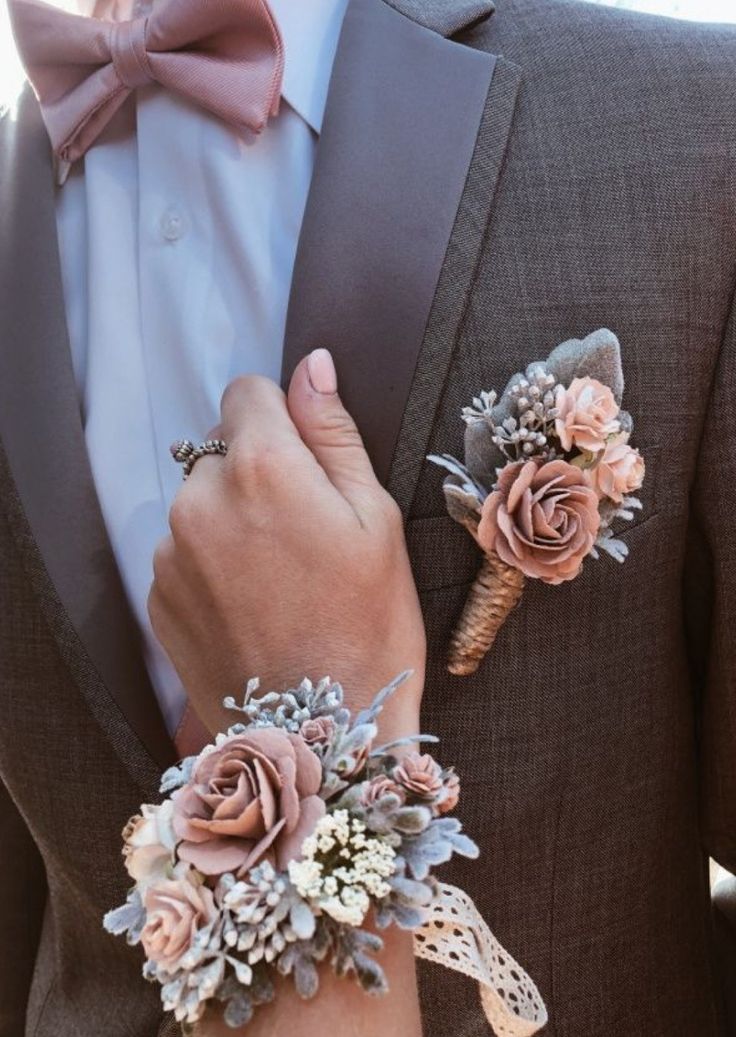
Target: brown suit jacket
(485,187)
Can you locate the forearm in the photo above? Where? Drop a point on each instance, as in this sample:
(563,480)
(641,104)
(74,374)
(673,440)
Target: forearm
(295,504)
(340,1009)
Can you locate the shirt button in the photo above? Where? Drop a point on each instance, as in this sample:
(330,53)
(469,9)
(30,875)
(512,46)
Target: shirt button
(172,224)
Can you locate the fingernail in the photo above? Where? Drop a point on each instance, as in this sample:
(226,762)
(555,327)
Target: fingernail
(321,371)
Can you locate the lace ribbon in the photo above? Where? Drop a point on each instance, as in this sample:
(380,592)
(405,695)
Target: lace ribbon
(457,937)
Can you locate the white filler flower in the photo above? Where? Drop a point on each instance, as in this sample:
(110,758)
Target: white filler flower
(342,868)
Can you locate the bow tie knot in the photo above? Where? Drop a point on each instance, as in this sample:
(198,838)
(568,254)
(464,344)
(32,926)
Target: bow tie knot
(129,55)
(227,56)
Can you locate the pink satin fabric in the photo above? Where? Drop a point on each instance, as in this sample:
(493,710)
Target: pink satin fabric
(227,55)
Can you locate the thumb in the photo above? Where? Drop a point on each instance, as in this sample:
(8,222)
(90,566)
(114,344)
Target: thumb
(327,428)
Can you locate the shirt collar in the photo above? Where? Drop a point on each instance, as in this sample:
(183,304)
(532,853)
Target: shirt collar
(310,30)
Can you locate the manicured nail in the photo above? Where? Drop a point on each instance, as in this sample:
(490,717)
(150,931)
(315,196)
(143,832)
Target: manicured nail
(321,370)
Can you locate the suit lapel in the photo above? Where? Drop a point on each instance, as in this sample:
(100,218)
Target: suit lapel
(399,132)
(461,261)
(409,158)
(42,437)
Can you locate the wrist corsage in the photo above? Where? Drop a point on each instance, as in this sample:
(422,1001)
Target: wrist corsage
(287,843)
(548,470)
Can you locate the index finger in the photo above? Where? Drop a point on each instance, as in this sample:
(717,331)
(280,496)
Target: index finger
(253,410)
(260,434)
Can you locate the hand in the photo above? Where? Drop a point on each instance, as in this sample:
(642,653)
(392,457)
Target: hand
(287,558)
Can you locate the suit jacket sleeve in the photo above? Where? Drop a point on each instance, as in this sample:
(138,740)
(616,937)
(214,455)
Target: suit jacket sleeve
(710,611)
(710,603)
(22,901)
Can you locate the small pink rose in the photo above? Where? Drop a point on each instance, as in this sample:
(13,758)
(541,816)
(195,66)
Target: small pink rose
(618,472)
(587,414)
(419,773)
(149,843)
(450,794)
(175,910)
(318,730)
(380,786)
(542,518)
(255,795)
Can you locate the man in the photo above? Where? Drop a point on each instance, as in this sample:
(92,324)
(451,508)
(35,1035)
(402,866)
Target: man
(484,186)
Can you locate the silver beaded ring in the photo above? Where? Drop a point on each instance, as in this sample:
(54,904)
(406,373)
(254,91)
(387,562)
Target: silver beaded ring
(185,453)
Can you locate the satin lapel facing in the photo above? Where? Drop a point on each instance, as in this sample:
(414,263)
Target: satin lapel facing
(445,322)
(400,128)
(42,437)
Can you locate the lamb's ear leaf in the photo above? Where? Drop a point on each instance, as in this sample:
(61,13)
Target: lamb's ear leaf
(627,422)
(597,356)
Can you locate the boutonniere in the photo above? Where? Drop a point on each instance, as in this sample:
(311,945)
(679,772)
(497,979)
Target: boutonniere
(548,469)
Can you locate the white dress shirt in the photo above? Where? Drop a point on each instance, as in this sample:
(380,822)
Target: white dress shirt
(177,237)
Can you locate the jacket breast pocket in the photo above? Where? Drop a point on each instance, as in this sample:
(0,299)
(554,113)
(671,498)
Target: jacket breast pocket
(442,553)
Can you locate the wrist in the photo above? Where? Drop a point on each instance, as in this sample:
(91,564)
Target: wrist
(401,714)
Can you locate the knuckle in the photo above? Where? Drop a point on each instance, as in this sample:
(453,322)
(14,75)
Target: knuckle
(391,513)
(184,517)
(386,514)
(244,466)
(163,558)
(155,608)
(261,467)
(247,386)
(234,390)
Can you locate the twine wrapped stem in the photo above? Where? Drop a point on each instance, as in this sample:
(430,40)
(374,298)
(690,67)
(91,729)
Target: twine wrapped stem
(495,592)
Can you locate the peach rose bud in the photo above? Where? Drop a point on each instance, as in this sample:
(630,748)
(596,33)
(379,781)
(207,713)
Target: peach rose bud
(175,910)
(618,472)
(587,414)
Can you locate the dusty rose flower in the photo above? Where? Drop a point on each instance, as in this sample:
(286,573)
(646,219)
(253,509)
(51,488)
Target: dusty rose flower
(175,910)
(450,794)
(419,773)
(149,842)
(255,794)
(542,518)
(619,471)
(380,786)
(317,731)
(587,414)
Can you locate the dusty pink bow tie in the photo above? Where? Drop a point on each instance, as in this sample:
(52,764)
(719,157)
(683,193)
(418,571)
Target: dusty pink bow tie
(226,55)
